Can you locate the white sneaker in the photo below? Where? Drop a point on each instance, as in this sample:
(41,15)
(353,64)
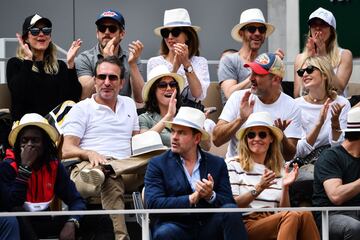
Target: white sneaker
(92,176)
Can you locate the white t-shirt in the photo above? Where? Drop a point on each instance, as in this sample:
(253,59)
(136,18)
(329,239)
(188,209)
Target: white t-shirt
(199,65)
(310,116)
(284,108)
(102,130)
(243,182)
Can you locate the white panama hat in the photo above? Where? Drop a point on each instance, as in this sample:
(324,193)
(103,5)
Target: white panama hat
(353,120)
(146,142)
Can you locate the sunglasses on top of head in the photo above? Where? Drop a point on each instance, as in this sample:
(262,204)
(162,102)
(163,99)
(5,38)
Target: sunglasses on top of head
(252,29)
(164,85)
(175,32)
(36,31)
(309,70)
(252,135)
(112,28)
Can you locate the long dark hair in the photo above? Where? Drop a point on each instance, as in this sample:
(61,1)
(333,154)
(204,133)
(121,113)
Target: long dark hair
(152,105)
(50,150)
(193,43)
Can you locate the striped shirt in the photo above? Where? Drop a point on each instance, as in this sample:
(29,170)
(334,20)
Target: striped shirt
(243,182)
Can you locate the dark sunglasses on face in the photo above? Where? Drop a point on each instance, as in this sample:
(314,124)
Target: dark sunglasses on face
(112,28)
(175,32)
(252,29)
(110,76)
(252,135)
(36,31)
(309,69)
(164,85)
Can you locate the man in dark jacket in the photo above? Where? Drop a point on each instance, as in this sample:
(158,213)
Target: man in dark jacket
(187,177)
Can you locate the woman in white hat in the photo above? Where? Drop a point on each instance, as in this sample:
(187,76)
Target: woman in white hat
(179,52)
(37,80)
(161,94)
(259,180)
(322,41)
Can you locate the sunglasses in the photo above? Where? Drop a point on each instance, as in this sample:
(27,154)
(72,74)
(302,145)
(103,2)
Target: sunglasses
(309,70)
(110,76)
(112,28)
(44,30)
(252,29)
(164,85)
(175,32)
(252,135)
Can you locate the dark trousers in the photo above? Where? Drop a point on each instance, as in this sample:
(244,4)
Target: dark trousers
(227,226)
(9,228)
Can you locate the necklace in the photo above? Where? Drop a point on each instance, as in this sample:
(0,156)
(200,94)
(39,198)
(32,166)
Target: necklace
(316,100)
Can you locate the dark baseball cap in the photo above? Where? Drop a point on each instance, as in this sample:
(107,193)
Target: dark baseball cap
(30,21)
(112,14)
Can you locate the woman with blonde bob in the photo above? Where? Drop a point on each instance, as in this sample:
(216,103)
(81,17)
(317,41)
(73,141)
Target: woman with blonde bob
(322,41)
(37,80)
(259,179)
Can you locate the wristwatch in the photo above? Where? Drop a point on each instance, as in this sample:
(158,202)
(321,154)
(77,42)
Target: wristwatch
(189,69)
(75,221)
(254,193)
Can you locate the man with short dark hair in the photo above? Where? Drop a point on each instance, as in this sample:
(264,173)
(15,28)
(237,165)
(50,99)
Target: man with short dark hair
(265,94)
(110,32)
(187,177)
(337,181)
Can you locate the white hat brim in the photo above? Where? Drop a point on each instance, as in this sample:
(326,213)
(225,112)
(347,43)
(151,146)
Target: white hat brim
(204,134)
(157,149)
(235,31)
(275,131)
(158,29)
(149,83)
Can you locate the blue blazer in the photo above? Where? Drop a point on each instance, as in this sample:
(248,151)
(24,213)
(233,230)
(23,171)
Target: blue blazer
(166,185)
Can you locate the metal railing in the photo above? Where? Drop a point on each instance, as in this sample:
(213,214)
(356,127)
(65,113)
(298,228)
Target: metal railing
(146,212)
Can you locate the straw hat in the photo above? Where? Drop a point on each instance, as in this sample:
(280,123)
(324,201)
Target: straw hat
(252,15)
(353,120)
(258,119)
(178,17)
(147,142)
(32,119)
(190,117)
(157,73)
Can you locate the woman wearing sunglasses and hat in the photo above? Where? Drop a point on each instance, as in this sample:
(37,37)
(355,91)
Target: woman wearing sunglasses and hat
(259,180)
(179,52)
(322,41)
(323,115)
(37,80)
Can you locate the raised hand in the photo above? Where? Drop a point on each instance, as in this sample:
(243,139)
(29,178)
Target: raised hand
(319,43)
(25,48)
(280,53)
(336,109)
(290,177)
(109,49)
(310,45)
(182,54)
(267,179)
(135,50)
(205,187)
(172,106)
(282,124)
(246,106)
(29,154)
(324,110)
(71,54)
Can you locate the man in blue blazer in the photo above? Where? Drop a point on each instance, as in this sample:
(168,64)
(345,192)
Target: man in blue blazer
(187,177)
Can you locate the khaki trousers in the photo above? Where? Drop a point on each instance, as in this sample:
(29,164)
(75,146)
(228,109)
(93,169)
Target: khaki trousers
(129,175)
(281,226)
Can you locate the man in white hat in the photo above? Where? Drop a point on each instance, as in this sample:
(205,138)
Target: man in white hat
(187,177)
(265,95)
(109,33)
(337,181)
(251,32)
(98,129)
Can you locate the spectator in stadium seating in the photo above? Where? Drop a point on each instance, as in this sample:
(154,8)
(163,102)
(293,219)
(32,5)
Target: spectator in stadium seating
(98,130)
(37,80)
(251,32)
(337,181)
(187,177)
(179,52)
(259,180)
(265,95)
(109,33)
(161,95)
(323,115)
(33,176)
(322,41)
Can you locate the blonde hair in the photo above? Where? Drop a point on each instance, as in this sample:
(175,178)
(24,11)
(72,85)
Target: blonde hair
(274,159)
(332,48)
(51,65)
(324,65)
